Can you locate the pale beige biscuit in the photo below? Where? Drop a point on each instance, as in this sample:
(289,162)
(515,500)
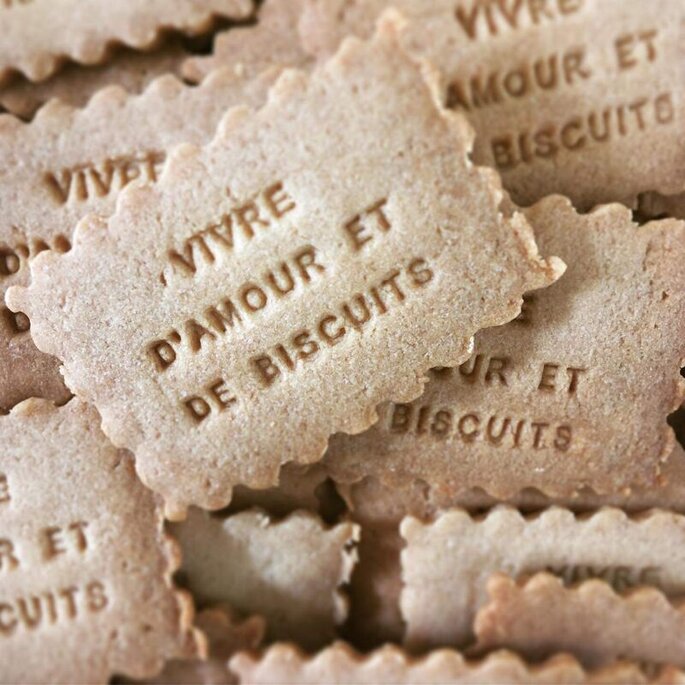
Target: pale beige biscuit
(341,665)
(40,34)
(540,617)
(68,162)
(446,564)
(289,571)
(578,97)
(86,566)
(574,394)
(268,292)
(273,41)
(226,635)
(76,84)
(376,583)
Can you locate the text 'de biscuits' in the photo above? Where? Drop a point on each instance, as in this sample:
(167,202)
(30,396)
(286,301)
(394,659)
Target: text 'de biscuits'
(274,287)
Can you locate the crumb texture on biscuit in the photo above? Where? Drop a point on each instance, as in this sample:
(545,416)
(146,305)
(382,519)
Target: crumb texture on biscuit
(291,571)
(446,563)
(86,564)
(564,96)
(542,402)
(540,616)
(40,34)
(274,287)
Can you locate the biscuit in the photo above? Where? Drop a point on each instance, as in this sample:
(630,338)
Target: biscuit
(577,97)
(339,664)
(273,41)
(68,162)
(40,34)
(267,293)
(75,84)
(289,571)
(86,566)
(541,617)
(226,635)
(446,564)
(549,401)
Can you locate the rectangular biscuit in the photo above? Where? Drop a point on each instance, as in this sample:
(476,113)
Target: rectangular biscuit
(40,34)
(286,665)
(546,401)
(446,564)
(86,566)
(539,617)
(279,283)
(68,162)
(289,571)
(566,96)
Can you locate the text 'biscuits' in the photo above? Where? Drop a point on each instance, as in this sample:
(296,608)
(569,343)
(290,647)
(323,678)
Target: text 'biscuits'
(274,287)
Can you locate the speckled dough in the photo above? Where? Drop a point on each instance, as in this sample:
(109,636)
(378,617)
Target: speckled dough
(275,286)
(540,616)
(291,572)
(86,566)
(582,97)
(574,394)
(68,162)
(446,563)
(273,41)
(38,34)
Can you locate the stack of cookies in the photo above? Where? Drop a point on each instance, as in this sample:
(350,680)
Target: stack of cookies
(341,341)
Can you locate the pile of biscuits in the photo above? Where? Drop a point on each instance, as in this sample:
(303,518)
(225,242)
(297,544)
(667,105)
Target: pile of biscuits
(341,341)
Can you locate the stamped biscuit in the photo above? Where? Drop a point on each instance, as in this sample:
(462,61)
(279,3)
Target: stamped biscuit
(38,35)
(76,84)
(226,635)
(85,564)
(547,402)
(339,664)
(376,582)
(268,292)
(578,97)
(273,41)
(289,571)
(446,564)
(541,617)
(68,162)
